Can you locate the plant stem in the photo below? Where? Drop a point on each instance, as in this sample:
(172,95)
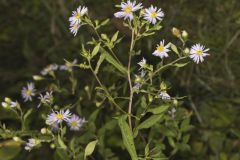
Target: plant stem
(129,80)
(110,98)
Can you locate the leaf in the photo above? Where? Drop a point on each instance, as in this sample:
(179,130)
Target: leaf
(90,148)
(101,59)
(61,143)
(9,149)
(96,49)
(150,121)
(114,37)
(112,61)
(158,110)
(174,48)
(179,65)
(27,114)
(127,137)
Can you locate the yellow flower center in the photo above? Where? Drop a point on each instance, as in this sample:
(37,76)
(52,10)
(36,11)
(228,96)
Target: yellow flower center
(74,123)
(160,48)
(128,9)
(59,116)
(28,92)
(78,16)
(154,14)
(199,52)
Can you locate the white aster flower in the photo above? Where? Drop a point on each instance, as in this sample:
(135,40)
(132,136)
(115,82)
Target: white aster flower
(31,144)
(142,63)
(153,14)
(77,15)
(50,68)
(28,92)
(57,117)
(127,10)
(75,123)
(197,53)
(164,95)
(74,28)
(46,99)
(14,104)
(68,66)
(162,50)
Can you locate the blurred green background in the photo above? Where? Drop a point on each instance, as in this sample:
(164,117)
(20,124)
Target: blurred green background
(34,33)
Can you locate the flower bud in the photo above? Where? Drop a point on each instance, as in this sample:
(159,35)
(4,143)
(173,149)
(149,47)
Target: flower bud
(52,146)
(16,139)
(8,100)
(4,104)
(37,77)
(186,51)
(43,130)
(176,32)
(184,34)
(163,86)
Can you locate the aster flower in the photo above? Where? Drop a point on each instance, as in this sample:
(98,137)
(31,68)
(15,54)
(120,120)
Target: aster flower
(75,123)
(164,95)
(153,14)
(50,68)
(58,117)
(127,10)
(28,92)
(198,52)
(68,66)
(14,104)
(46,99)
(142,63)
(139,80)
(31,144)
(74,28)
(162,50)
(77,15)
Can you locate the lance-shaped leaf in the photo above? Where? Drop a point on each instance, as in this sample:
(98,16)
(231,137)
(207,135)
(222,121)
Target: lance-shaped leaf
(112,61)
(90,148)
(158,110)
(127,137)
(96,50)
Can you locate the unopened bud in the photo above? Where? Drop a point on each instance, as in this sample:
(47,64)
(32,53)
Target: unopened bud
(8,100)
(186,51)
(38,78)
(184,34)
(4,104)
(163,86)
(176,32)
(16,139)
(52,145)
(43,130)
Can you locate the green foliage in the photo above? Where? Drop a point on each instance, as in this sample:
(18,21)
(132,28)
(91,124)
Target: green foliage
(35,33)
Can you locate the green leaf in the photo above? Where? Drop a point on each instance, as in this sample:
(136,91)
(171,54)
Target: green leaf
(90,148)
(158,110)
(174,48)
(61,143)
(101,59)
(127,137)
(150,121)
(96,49)
(27,114)
(114,37)
(112,61)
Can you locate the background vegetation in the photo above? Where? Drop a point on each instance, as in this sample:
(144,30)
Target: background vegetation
(35,33)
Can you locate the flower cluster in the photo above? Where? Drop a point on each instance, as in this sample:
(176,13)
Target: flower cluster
(76,19)
(57,117)
(8,103)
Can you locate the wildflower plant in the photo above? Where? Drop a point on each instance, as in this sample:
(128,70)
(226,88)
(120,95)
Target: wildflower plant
(124,106)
